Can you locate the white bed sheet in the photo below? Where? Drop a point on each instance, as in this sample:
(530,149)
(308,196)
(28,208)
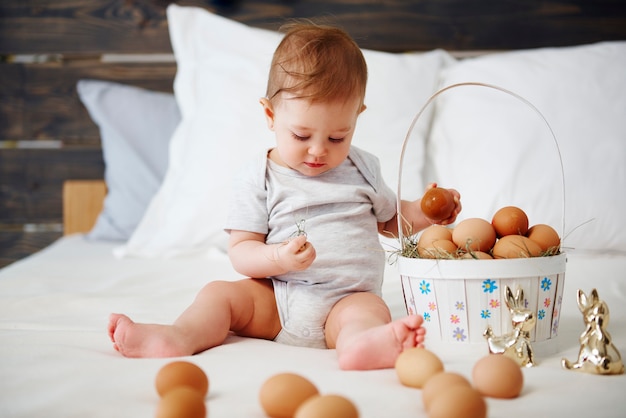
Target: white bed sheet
(56,359)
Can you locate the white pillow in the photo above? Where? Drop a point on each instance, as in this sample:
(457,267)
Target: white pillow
(135,130)
(496,152)
(222,73)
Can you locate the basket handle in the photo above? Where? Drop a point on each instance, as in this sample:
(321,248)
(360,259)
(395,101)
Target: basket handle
(423,109)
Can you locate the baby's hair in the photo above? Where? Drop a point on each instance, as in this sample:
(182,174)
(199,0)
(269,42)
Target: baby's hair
(317,62)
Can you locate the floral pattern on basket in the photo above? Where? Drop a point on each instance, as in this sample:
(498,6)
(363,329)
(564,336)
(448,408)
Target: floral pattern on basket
(452,308)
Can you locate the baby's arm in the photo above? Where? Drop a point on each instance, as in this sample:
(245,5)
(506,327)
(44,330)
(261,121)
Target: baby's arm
(252,257)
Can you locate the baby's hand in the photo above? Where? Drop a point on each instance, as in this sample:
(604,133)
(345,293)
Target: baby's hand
(295,255)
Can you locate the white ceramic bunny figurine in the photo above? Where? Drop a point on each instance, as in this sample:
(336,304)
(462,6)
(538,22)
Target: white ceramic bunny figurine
(515,344)
(597,353)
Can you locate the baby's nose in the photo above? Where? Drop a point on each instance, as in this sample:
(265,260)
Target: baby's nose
(317,150)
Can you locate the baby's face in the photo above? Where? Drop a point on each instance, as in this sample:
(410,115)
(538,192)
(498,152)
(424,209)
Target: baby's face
(313,138)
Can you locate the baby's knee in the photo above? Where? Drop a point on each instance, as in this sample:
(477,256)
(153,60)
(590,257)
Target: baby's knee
(360,304)
(217,286)
(362,307)
(242,294)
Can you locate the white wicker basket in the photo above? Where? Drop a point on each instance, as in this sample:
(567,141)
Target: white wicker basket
(460,298)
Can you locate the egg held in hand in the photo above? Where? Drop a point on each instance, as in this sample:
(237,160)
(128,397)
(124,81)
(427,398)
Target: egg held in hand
(437,204)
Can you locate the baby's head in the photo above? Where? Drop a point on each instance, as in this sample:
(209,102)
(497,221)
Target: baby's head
(315,93)
(317,63)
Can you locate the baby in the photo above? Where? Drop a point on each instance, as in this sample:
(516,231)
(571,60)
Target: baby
(303,223)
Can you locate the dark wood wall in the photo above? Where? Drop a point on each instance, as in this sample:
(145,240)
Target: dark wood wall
(46,46)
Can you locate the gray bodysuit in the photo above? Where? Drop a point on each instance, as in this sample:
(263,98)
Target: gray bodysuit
(339,210)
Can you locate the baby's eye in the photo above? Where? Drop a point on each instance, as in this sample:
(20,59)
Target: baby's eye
(298,137)
(335,140)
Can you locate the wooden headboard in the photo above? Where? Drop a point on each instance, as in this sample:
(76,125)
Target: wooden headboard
(46,136)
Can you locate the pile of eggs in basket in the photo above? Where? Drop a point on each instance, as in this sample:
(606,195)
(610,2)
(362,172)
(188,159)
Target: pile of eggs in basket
(508,235)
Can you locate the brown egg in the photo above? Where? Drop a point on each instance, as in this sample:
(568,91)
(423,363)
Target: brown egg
(282,394)
(477,255)
(181,401)
(434,233)
(459,401)
(474,234)
(440,383)
(327,406)
(414,366)
(437,204)
(516,246)
(498,376)
(436,242)
(546,236)
(181,373)
(510,220)
(439,248)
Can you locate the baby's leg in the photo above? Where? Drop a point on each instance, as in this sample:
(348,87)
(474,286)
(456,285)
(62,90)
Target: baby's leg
(359,326)
(246,307)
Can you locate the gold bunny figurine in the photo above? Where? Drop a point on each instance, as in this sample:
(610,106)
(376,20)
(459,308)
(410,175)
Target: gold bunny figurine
(597,353)
(515,344)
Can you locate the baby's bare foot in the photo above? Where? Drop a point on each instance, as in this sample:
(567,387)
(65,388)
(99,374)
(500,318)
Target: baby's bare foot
(378,347)
(144,340)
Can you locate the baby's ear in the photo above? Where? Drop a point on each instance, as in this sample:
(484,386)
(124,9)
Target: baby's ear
(268,111)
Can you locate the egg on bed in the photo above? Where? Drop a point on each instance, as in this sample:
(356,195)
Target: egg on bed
(498,376)
(439,383)
(282,394)
(182,401)
(414,366)
(327,406)
(181,373)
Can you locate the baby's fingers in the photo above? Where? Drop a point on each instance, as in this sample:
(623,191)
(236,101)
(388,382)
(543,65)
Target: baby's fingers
(297,245)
